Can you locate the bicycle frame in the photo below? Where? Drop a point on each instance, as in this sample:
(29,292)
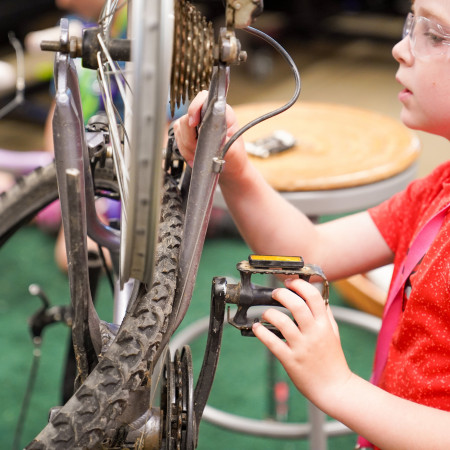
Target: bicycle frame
(78,200)
(77,196)
(72,162)
(205,174)
(71,153)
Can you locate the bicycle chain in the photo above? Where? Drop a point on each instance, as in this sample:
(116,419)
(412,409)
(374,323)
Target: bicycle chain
(179,400)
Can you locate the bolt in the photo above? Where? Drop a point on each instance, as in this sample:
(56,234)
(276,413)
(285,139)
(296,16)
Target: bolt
(51,46)
(220,287)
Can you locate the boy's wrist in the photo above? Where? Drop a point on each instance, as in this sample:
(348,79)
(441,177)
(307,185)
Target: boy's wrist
(236,175)
(333,398)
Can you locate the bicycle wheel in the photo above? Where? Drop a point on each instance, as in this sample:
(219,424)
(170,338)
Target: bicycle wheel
(172,47)
(94,413)
(34,192)
(90,414)
(144,88)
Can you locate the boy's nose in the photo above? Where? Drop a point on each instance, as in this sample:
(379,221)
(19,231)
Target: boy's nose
(402,51)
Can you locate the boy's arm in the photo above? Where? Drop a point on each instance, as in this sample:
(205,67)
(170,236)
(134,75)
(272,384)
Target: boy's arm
(312,356)
(388,421)
(271,225)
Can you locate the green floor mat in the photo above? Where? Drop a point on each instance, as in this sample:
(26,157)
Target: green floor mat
(241,386)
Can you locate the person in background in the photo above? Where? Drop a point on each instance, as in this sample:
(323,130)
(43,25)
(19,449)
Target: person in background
(92,103)
(408,404)
(88,12)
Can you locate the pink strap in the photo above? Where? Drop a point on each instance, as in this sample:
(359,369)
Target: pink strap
(393,307)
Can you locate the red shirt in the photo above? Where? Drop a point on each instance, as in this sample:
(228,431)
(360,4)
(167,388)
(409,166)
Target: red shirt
(418,365)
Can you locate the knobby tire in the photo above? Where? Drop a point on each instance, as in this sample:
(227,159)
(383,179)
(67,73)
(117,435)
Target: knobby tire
(95,408)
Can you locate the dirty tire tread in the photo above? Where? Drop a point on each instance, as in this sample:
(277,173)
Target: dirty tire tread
(34,192)
(103,396)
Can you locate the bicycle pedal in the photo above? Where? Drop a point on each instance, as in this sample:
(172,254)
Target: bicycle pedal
(248,332)
(247,295)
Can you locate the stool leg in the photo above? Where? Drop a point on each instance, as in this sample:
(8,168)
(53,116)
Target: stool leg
(318,438)
(271,380)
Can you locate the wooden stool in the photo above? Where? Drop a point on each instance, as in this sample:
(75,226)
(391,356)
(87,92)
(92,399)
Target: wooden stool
(337,146)
(341,152)
(362,293)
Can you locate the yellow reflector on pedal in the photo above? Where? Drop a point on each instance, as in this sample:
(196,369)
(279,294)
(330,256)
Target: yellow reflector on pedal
(270,261)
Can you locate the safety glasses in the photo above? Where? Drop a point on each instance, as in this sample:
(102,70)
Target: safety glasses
(427,37)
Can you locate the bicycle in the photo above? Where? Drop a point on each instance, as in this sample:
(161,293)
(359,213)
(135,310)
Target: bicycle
(156,250)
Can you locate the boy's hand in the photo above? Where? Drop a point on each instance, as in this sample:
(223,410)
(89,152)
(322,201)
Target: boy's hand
(185,128)
(186,136)
(312,354)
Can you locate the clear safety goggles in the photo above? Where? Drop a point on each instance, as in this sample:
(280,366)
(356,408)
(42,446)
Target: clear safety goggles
(427,37)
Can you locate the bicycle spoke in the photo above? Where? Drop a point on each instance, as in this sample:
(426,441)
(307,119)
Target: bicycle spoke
(108,12)
(151,226)
(115,72)
(119,160)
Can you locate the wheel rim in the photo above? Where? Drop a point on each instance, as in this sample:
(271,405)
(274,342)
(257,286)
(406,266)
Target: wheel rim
(152,36)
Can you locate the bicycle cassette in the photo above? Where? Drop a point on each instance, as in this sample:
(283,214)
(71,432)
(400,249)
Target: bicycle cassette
(193,59)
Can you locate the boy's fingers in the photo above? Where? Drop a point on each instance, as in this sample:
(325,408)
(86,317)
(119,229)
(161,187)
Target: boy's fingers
(230,117)
(333,322)
(283,323)
(185,135)
(195,108)
(272,342)
(294,303)
(310,294)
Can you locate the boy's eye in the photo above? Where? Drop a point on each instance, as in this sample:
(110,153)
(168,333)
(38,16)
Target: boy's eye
(434,38)
(427,37)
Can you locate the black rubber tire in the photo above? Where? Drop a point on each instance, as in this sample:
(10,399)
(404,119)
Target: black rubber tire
(34,192)
(82,422)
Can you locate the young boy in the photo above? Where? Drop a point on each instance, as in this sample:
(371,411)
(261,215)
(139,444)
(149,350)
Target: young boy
(409,407)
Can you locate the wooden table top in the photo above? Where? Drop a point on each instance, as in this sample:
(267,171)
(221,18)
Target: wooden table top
(337,146)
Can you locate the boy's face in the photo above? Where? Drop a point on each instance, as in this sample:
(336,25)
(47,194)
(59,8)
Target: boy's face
(425,76)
